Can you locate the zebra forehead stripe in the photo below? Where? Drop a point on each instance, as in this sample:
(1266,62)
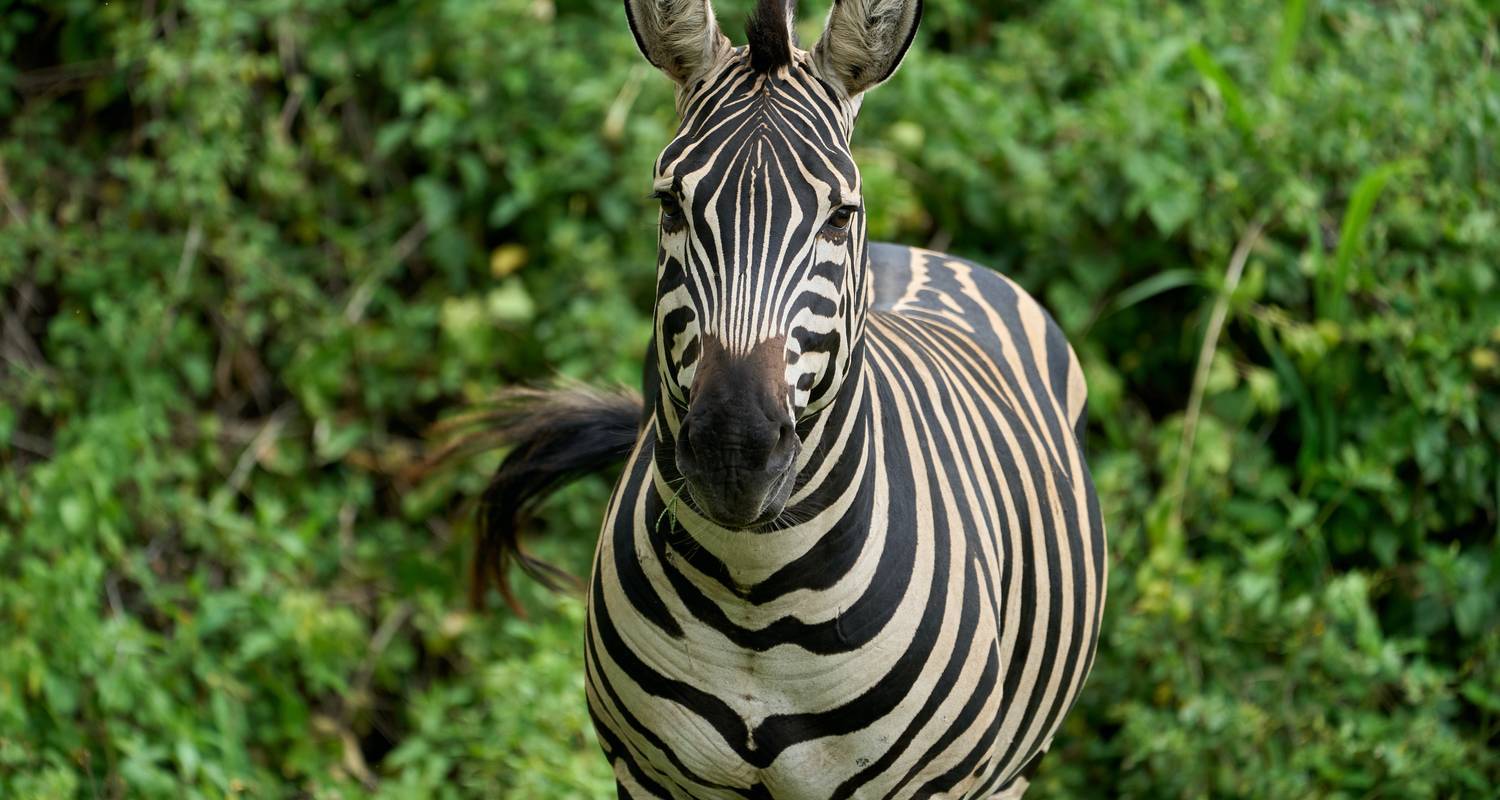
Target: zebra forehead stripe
(756,181)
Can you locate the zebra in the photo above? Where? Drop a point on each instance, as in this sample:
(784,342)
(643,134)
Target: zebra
(855,549)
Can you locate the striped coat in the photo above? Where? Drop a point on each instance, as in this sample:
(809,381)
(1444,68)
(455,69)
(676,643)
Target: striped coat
(924,631)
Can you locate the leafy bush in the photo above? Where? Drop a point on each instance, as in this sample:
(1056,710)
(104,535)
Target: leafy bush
(252,250)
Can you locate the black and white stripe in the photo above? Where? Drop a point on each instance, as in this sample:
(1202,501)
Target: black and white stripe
(923,611)
(757,168)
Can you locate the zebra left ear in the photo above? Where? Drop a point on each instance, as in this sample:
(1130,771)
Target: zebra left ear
(864,41)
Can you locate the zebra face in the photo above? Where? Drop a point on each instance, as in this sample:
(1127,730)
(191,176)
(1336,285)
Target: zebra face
(761,233)
(762,281)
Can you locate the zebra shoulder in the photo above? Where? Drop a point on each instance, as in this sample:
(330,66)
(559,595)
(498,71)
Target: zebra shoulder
(912,281)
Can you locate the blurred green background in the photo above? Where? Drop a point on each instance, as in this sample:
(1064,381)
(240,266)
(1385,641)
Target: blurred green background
(251,250)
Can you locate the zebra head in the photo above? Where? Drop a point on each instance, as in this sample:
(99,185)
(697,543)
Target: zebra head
(762,280)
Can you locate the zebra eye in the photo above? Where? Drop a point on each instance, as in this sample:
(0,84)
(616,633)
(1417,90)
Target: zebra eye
(671,210)
(840,218)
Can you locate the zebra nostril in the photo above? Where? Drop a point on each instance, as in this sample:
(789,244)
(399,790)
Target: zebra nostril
(785,447)
(686,457)
(788,434)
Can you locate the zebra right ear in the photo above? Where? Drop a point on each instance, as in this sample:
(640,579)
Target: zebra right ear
(680,37)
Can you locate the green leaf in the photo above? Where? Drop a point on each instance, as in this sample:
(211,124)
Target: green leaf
(1351,233)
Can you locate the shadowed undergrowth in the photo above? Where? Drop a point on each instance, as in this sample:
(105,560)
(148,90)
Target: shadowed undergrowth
(251,252)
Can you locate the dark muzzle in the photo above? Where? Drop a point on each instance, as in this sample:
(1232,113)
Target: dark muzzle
(737,444)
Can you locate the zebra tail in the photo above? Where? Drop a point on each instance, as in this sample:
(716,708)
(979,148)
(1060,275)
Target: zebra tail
(555,437)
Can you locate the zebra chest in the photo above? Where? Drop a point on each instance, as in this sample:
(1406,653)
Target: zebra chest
(782,722)
(681,703)
(929,657)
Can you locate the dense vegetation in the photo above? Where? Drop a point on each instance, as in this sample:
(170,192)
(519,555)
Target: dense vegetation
(251,250)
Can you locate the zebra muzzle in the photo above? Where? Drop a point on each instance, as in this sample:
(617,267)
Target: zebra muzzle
(738,444)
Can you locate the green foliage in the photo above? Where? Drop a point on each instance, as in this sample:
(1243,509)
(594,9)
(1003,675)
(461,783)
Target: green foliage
(251,250)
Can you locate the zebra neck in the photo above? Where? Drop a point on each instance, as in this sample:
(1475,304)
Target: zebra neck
(819,536)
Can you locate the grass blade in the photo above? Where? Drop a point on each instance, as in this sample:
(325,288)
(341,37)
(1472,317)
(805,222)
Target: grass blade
(1351,234)
(1213,72)
(1159,283)
(1293,17)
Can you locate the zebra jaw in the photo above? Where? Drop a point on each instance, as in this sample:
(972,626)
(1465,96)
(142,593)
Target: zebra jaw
(714,511)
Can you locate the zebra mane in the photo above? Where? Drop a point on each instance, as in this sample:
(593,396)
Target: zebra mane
(770,33)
